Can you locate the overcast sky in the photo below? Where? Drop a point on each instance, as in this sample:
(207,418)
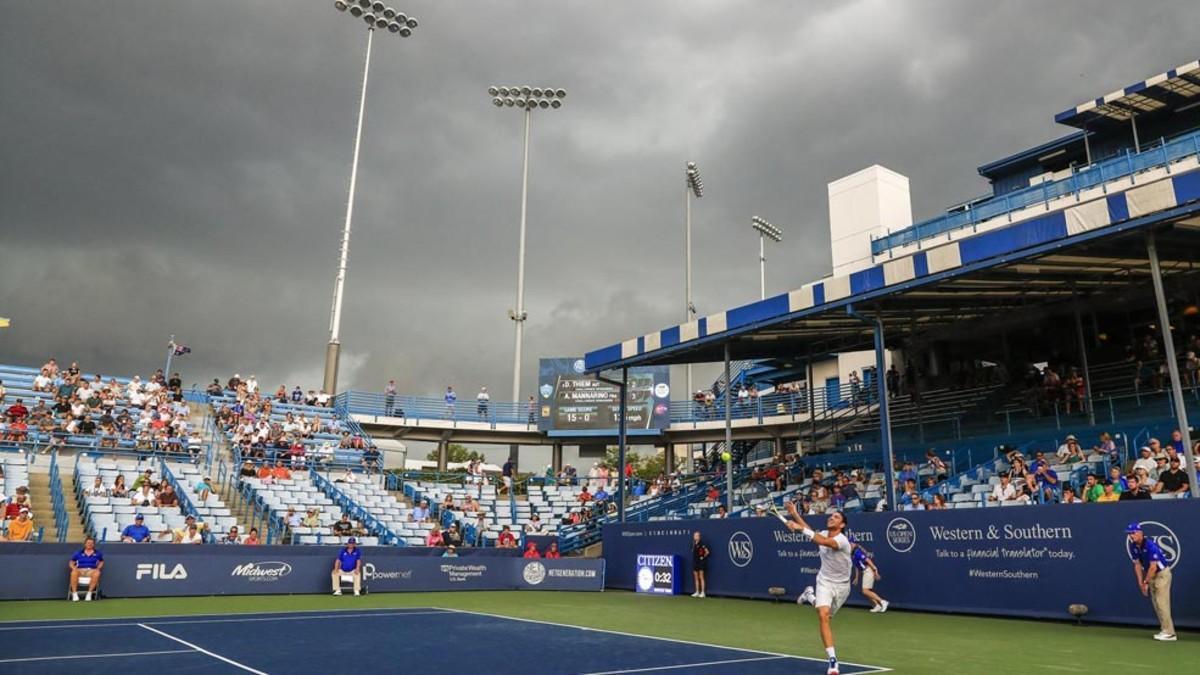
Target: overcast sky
(182,168)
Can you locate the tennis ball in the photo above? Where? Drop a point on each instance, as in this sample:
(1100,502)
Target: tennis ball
(725,456)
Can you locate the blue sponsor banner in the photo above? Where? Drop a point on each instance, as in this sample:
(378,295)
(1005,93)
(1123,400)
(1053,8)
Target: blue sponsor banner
(1025,561)
(31,571)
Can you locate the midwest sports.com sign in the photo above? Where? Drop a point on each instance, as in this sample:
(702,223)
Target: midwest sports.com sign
(1031,561)
(29,571)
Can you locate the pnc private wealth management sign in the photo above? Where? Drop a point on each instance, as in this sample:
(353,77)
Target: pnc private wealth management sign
(1031,561)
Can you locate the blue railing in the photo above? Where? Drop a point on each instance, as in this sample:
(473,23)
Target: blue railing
(56,499)
(185,501)
(1084,178)
(373,525)
(681,412)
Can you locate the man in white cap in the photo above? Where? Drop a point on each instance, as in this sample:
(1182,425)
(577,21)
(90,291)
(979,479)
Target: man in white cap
(1146,461)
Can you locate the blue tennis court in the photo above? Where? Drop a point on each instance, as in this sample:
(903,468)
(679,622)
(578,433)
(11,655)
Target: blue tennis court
(427,640)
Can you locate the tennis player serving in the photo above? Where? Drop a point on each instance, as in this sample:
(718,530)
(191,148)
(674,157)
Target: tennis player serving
(833,580)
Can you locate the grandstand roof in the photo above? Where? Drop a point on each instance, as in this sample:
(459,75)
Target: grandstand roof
(1037,265)
(1177,88)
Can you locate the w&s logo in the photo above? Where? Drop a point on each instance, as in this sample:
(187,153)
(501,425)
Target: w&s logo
(741,549)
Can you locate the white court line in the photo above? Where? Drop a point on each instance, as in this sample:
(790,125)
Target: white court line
(688,665)
(229,620)
(176,616)
(203,650)
(870,668)
(95,656)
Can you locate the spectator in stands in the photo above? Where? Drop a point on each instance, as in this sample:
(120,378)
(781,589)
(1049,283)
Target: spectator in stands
(312,519)
(192,534)
(97,489)
(507,473)
(1173,480)
(451,399)
(1047,482)
(474,531)
(585,496)
(452,536)
(251,538)
(893,382)
(1004,490)
(89,561)
(535,525)
(601,495)
(349,561)
(1135,490)
(166,497)
(506,538)
(938,502)
(531,551)
(1068,496)
(1146,460)
(434,538)
(343,527)
(143,479)
(1093,487)
(119,491)
(936,464)
(1176,443)
(482,399)
(144,496)
(712,494)
(450,552)
(1117,479)
(721,512)
(552,552)
(21,528)
(203,489)
(137,533)
(178,534)
(420,512)
(280,472)
(1110,495)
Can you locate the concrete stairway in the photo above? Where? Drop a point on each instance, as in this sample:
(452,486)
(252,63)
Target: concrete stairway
(43,510)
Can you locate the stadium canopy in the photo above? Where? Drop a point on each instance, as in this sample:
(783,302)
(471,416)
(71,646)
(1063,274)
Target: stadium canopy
(1095,245)
(1172,91)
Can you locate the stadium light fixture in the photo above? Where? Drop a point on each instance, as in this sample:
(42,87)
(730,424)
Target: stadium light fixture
(693,186)
(765,231)
(377,16)
(527,98)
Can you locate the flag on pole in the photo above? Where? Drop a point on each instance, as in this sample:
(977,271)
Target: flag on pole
(179,350)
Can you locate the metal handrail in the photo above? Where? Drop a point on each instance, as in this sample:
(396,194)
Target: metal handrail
(1084,178)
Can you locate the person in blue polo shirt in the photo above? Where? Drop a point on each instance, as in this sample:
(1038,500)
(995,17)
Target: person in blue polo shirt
(1153,578)
(137,533)
(349,561)
(88,561)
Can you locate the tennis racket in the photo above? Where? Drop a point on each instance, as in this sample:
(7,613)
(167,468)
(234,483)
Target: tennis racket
(783,517)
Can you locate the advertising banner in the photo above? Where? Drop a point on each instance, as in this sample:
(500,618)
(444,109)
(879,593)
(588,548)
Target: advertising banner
(570,400)
(29,571)
(1028,561)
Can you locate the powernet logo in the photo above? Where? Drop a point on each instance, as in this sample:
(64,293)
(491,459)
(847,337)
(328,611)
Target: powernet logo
(741,549)
(901,535)
(1166,540)
(159,572)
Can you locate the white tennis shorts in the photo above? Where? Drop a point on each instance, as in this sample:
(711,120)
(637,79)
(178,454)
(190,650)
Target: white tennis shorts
(868,579)
(831,595)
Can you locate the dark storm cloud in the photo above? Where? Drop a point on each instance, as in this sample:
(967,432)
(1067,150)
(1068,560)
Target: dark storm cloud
(182,167)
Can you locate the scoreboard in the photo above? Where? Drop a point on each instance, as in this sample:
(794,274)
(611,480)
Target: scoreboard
(569,400)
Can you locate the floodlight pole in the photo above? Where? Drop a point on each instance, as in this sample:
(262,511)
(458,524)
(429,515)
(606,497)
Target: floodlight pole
(170,355)
(334,349)
(1164,321)
(762,267)
(518,316)
(885,423)
(691,186)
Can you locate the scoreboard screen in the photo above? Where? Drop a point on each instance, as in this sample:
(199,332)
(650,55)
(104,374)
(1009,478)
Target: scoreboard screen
(569,400)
